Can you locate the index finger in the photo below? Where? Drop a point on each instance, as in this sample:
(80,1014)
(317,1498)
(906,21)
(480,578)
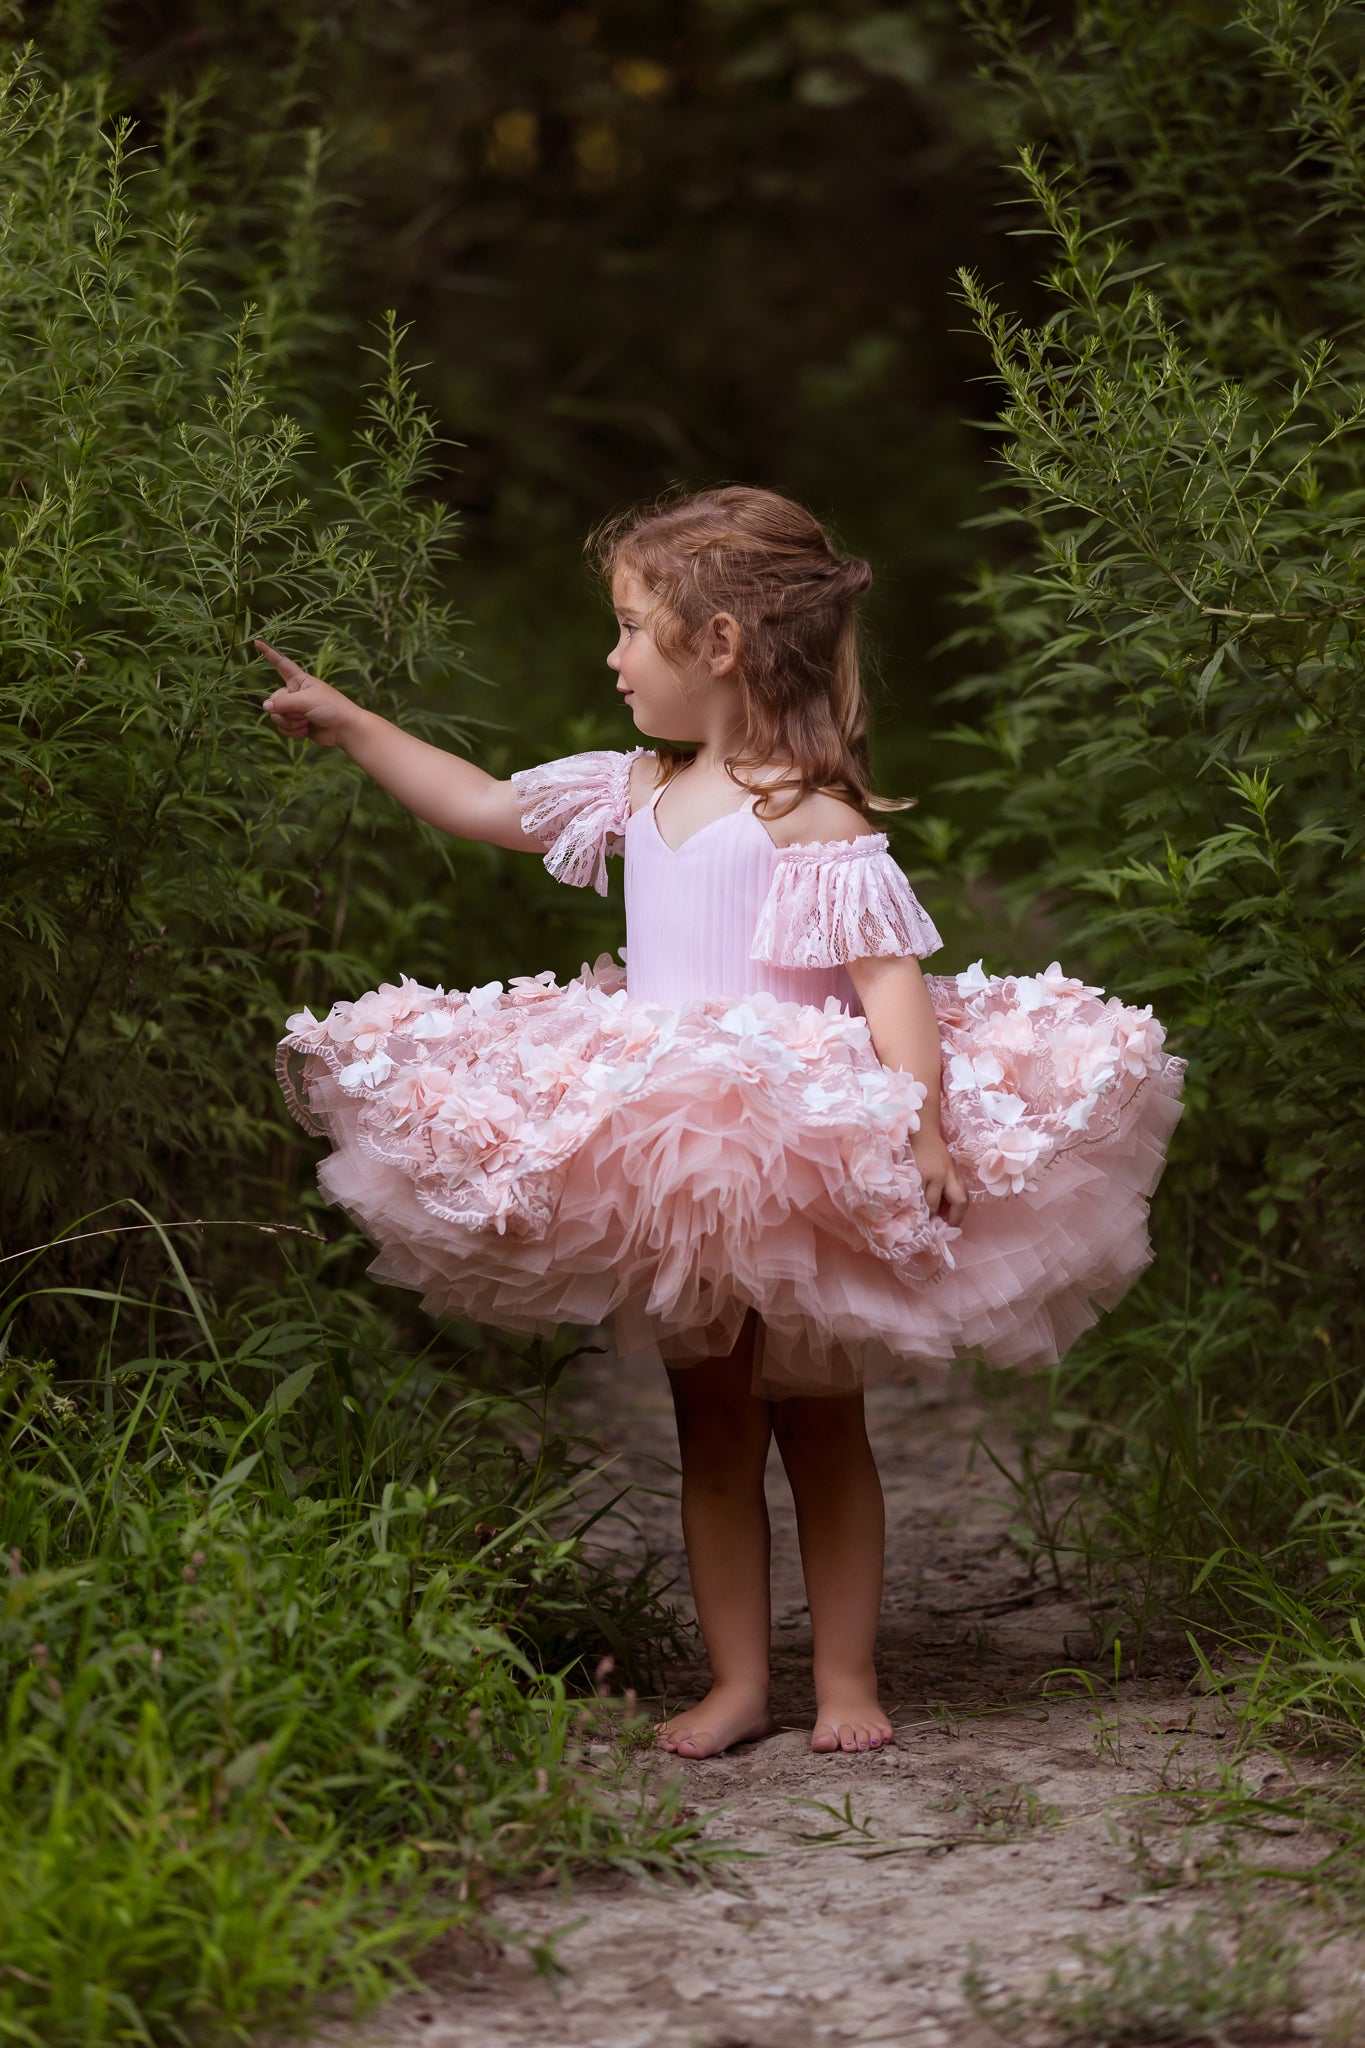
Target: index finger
(291,673)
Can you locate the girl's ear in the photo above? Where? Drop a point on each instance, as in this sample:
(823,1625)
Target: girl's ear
(723,636)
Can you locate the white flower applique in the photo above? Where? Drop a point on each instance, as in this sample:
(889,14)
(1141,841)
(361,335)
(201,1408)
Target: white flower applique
(976,1073)
(484,998)
(1078,1117)
(1059,984)
(367,1073)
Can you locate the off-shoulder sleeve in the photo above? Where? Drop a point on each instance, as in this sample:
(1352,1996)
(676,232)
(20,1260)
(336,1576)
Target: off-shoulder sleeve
(577,808)
(841,900)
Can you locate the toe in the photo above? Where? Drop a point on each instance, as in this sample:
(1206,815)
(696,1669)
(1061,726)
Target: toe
(848,1735)
(825,1738)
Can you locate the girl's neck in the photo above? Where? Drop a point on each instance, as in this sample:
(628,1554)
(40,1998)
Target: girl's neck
(712,754)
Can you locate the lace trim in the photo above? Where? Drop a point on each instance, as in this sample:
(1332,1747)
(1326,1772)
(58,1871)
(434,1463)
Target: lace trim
(577,808)
(833,901)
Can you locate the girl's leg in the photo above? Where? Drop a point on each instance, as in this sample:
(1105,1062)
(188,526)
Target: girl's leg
(842,1526)
(723,1438)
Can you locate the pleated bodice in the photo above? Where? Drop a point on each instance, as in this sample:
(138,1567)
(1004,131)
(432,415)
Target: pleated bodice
(692,911)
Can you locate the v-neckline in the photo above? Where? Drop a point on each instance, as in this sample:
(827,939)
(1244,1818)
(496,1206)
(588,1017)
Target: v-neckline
(723,819)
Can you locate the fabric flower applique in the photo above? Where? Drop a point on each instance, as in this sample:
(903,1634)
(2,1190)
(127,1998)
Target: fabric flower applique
(1140,1038)
(819,1099)
(550,1068)
(1008,1031)
(432,1024)
(1084,1057)
(419,1092)
(375,1015)
(1077,1117)
(756,1053)
(484,998)
(813,1034)
(366,1073)
(1008,1157)
(475,1125)
(1066,984)
(979,1072)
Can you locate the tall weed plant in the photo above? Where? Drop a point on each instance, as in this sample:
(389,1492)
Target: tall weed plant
(163,865)
(1169,727)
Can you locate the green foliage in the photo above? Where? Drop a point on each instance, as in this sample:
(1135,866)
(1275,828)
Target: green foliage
(1171,734)
(637,245)
(284,1641)
(1187,1987)
(159,853)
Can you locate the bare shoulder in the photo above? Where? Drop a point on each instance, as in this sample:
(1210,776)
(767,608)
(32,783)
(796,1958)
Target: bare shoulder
(816,819)
(644,779)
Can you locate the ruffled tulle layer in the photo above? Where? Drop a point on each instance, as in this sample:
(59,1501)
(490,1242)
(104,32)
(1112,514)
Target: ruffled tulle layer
(548,1154)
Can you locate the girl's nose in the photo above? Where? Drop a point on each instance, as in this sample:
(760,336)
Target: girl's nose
(614,659)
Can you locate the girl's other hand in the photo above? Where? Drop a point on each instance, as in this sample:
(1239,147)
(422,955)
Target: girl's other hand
(306,708)
(943,1187)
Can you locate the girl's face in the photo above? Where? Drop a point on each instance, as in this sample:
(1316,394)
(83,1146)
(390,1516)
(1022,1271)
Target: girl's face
(665,703)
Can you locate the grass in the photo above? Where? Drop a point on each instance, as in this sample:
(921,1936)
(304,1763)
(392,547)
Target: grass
(293,1643)
(1193,1984)
(1003,1812)
(1308,1835)
(1208,1509)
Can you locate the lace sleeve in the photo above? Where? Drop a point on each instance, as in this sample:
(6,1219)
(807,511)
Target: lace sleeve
(577,808)
(841,900)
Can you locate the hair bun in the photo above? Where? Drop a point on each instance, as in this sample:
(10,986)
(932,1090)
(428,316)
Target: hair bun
(854,578)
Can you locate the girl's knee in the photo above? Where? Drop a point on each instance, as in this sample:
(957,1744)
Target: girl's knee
(720,1426)
(820,1420)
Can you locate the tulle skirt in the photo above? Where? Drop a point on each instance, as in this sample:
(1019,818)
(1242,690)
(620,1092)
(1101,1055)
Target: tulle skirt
(547,1154)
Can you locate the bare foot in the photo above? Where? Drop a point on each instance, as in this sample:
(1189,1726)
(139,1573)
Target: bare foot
(728,1714)
(851,1721)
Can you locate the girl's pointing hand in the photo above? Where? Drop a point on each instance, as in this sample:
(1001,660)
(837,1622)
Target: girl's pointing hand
(306,708)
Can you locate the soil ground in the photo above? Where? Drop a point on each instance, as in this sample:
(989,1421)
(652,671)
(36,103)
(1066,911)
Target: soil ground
(863,1938)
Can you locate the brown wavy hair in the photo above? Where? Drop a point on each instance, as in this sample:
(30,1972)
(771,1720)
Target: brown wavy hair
(770,564)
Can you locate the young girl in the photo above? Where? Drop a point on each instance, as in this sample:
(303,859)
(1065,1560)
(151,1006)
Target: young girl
(770,1152)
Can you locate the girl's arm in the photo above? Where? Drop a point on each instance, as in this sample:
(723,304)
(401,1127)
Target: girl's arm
(440,788)
(904,1031)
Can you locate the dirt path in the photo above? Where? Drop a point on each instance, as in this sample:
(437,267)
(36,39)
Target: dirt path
(814,1943)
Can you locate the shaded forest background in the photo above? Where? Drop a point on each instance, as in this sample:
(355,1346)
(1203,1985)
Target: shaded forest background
(638,245)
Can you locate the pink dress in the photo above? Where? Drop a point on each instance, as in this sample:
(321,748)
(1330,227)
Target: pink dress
(712,1132)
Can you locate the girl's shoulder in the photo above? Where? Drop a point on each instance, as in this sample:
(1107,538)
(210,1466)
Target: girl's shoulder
(819,820)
